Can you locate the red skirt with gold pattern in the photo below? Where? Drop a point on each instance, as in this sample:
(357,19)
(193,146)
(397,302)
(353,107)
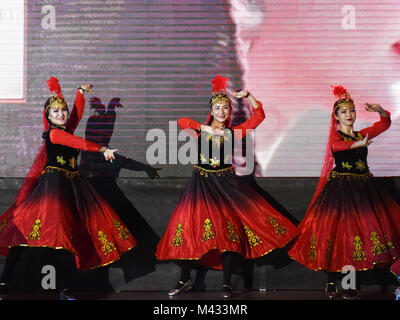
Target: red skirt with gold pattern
(64,211)
(218,212)
(353,221)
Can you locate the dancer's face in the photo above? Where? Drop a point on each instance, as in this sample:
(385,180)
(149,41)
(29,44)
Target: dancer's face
(58,116)
(221,111)
(346,114)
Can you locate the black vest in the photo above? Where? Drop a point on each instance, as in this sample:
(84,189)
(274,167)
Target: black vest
(60,156)
(215,152)
(352,161)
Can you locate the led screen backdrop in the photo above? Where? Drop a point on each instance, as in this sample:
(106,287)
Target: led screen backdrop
(158,57)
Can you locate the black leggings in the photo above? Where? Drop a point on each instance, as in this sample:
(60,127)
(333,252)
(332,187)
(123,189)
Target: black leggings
(227,268)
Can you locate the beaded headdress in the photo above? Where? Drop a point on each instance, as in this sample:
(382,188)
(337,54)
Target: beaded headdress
(56,101)
(219,90)
(343,98)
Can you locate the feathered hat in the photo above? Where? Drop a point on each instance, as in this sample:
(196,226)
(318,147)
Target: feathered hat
(342,96)
(219,94)
(57,99)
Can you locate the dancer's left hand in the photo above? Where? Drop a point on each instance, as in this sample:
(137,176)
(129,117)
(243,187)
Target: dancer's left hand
(374,108)
(87,87)
(239,94)
(109,154)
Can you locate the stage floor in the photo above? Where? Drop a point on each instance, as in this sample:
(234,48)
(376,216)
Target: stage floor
(202,296)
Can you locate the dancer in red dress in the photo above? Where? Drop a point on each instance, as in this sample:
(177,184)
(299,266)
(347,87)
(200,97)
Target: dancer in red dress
(217,215)
(56,207)
(351,219)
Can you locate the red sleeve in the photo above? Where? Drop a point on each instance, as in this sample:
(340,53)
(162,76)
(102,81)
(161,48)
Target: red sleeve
(77,112)
(378,127)
(252,123)
(62,137)
(186,123)
(340,145)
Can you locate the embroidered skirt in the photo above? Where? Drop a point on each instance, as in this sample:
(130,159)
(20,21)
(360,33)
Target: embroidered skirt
(63,211)
(217,212)
(353,221)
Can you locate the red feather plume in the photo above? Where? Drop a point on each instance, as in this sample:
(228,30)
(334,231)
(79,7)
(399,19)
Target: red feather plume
(54,86)
(219,83)
(339,92)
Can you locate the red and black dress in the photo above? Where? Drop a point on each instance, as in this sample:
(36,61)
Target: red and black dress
(217,212)
(353,220)
(58,208)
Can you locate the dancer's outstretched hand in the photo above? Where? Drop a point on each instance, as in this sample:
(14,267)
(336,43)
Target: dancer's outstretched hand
(362,143)
(375,108)
(109,154)
(152,172)
(239,94)
(87,87)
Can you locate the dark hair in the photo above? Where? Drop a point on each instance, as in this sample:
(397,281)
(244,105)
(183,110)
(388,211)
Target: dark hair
(210,101)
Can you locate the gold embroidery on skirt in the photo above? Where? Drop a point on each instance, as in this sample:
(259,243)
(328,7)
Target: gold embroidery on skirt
(3,224)
(232,232)
(358,253)
(178,240)
(123,232)
(278,228)
(389,244)
(208,232)
(349,175)
(107,247)
(253,239)
(378,247)
(67,173)
(312,253)
(219,172)
(35,234)
(328,256)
